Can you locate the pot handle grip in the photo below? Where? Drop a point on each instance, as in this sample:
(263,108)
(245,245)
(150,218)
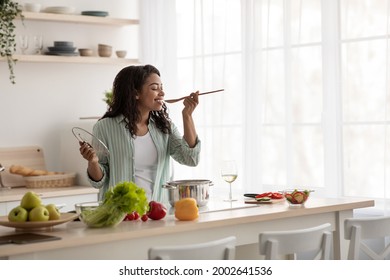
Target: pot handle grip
(169,187)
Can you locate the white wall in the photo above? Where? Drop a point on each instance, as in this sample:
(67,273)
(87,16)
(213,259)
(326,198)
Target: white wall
(49,96)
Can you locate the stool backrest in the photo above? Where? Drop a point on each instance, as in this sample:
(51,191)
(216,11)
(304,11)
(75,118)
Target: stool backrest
(361,230)
(287,244)
(221,249)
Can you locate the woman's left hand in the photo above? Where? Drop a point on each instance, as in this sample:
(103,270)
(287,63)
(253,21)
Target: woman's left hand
(190,103)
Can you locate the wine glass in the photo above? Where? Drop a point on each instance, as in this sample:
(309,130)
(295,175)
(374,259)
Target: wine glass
(229,174)
(23,39)
(38,44)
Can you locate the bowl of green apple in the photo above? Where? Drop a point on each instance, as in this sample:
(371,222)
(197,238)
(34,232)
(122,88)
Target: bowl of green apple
(32,214)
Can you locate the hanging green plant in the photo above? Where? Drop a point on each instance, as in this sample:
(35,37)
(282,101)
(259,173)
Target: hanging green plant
(9,10)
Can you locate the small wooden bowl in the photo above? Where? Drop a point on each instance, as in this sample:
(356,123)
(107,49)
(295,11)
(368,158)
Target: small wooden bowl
(121,54)
(85,52)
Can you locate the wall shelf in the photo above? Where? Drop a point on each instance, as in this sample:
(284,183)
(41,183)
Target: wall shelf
(82,19)
(73,59)
(72,18)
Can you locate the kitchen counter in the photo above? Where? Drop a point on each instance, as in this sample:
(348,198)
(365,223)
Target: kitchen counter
(132,239)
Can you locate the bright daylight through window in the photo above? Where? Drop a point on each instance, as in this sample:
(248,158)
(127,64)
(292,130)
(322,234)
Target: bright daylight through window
(306,93)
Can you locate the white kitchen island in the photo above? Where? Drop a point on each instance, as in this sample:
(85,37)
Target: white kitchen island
(132,239)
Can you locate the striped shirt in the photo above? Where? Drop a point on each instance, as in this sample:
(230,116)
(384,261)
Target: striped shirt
(119,165)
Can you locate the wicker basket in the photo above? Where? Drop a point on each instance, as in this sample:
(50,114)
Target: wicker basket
(50,181)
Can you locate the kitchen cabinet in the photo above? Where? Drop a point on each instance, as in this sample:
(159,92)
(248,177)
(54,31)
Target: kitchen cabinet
(67,18)
(3,209)
(65,197)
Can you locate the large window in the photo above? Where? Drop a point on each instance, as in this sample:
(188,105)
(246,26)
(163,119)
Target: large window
(306,92)
(365,98)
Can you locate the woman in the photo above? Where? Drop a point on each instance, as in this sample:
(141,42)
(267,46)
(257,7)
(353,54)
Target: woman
(140,136)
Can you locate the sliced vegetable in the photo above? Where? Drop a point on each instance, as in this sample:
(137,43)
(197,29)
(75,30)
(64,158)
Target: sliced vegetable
(277,195)
(265,198)
(270,195)
(297,196)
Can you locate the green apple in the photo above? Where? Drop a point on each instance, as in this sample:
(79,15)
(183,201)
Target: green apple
(54,213)
(30,200)
(38,214)
(18,214)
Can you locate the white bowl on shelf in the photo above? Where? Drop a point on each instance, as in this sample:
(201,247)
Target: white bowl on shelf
(121,53)
(60,10)
(32,7)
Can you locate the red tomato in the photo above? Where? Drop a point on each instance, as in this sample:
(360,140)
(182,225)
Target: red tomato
(272,195)
(277,195)
(136,215)
(144,217)
(129,216)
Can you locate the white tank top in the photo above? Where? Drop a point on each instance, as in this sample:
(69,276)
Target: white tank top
(145,160)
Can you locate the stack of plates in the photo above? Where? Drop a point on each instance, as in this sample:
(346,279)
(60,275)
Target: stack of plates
(63,48)
(95,13)
(60,10)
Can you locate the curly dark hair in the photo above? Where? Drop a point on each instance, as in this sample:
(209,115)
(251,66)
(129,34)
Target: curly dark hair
(126,84)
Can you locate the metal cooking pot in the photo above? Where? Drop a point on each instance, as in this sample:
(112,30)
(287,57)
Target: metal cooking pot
(198,189)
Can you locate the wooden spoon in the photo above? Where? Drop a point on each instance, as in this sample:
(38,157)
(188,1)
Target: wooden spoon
(181,98)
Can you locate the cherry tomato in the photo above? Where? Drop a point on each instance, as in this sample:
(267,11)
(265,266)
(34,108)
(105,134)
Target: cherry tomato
(144,217)
(129,216)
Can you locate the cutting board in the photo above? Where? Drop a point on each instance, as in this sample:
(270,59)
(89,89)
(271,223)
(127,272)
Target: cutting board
(31,156)
(253,201)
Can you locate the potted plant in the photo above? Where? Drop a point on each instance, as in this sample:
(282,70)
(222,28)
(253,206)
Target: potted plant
(108,97)
(9,10)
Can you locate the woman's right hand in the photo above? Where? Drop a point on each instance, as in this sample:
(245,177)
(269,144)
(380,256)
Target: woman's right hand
(88,152)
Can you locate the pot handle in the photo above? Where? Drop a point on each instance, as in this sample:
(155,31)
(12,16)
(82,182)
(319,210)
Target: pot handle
(211,183)
(169,187)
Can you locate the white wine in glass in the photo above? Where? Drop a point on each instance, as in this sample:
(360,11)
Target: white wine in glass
(229,174)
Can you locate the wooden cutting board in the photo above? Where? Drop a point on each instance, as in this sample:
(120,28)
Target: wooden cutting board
(31,156)
(253,201)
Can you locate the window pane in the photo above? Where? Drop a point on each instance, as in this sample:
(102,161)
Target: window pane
(305,21)
(217,143)
(272,23)
(308,156)
(363,160)
(364,80)
(274,92)
(273,151)
(211,73)
(306,82)
(363,18)
(208,27)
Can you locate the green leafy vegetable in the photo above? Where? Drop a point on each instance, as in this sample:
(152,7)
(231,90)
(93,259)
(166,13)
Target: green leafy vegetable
(124,198)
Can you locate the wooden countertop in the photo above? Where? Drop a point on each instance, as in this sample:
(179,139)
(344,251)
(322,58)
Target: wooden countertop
(16,194)
(76,234)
